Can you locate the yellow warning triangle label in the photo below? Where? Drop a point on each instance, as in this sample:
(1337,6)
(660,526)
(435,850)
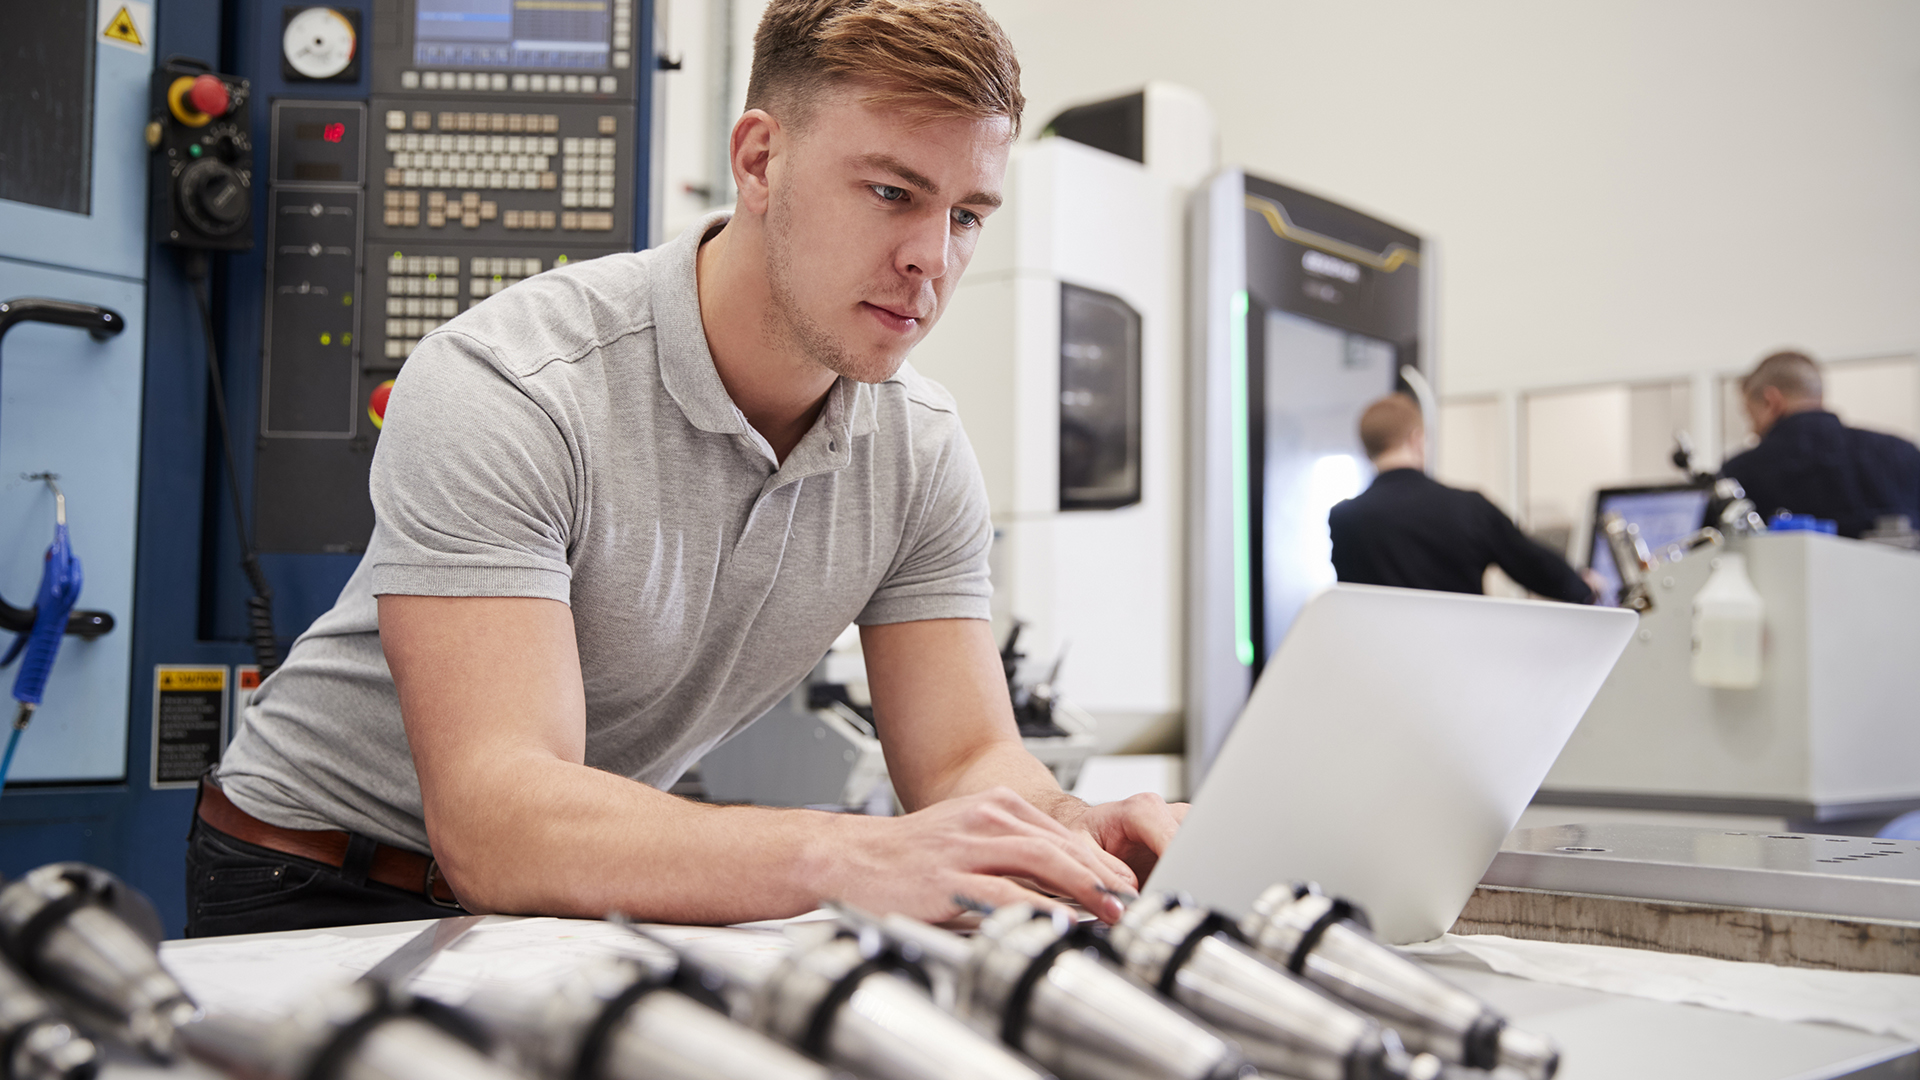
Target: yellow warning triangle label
(122,29)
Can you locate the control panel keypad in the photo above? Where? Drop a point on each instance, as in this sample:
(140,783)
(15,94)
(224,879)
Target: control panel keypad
(459,169)
(424,291)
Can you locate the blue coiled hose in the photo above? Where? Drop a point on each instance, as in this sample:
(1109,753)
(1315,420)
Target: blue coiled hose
(60,583)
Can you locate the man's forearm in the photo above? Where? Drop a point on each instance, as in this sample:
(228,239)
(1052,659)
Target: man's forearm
(1002,763)
(551,837)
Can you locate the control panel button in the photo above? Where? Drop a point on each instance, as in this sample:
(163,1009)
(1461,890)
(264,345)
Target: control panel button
(180,104)
(377,404)
(209,95)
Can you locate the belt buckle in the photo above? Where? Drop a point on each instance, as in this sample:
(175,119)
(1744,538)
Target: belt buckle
(433,875)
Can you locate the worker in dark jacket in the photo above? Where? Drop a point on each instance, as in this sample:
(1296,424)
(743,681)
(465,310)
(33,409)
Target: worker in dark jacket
(1808,462)
(1410,530)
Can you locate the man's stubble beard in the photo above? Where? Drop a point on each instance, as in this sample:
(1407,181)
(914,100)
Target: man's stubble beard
(787,325)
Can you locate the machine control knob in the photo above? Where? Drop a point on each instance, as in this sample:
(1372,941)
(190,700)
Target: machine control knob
(209,95)
(213,197)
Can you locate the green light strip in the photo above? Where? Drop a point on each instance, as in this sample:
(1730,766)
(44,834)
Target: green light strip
(1242,497)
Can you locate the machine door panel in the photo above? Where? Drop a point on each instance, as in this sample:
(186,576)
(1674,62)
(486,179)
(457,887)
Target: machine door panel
(70,405)
(93,215)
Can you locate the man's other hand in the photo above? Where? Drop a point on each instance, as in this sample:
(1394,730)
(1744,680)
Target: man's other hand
(972,847)
(1136,829)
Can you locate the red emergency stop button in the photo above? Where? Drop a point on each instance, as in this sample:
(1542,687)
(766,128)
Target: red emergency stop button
(209,95)
(377,404)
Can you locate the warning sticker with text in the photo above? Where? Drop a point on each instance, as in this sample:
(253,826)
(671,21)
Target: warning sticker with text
(189,722)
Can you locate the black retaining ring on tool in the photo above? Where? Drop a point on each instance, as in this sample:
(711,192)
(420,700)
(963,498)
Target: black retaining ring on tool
(24,947)
(87,886)
(1214,923)
(332,1058)
(598,1040)
(1481,1046)
(887,959)
(1338,911)
(1013,1022)
(701,984)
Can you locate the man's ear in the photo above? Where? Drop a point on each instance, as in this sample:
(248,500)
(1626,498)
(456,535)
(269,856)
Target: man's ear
(751,150)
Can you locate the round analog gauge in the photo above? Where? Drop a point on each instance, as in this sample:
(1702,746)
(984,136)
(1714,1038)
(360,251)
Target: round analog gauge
(319,43)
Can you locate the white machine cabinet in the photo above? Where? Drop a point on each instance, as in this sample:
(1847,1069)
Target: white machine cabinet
(1832,731)
(1105,584)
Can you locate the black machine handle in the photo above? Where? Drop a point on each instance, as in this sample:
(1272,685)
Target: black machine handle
(100,323)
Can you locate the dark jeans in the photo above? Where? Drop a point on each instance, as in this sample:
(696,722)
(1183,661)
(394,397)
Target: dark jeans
(234,887)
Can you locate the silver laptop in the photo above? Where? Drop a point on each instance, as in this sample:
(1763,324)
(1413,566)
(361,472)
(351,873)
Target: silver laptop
(1389,747)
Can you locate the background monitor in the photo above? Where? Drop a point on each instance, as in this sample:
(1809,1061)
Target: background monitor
(1665,514)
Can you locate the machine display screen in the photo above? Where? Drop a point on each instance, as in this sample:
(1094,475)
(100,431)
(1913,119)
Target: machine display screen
(543,35)
(1665,515)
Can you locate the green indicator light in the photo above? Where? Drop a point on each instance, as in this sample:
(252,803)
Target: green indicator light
(326,339)
(194,150)
(346,299)
(1242,497)
(561,261)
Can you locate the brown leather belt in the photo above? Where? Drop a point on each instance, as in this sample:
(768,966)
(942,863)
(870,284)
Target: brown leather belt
(405,870)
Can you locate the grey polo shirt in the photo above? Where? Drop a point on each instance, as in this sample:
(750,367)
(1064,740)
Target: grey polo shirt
(570,439)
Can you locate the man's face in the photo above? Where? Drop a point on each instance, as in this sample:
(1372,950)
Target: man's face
(872,217)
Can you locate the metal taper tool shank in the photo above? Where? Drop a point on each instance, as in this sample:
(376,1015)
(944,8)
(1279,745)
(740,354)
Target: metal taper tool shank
(91,942)
(1326,942)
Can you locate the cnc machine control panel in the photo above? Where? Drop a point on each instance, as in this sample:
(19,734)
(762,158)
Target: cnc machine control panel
(499,141)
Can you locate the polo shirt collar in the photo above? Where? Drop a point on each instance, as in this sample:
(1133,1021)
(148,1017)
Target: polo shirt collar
(687,369)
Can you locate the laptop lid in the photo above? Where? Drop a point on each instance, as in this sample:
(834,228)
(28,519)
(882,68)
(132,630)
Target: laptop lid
(1388,748)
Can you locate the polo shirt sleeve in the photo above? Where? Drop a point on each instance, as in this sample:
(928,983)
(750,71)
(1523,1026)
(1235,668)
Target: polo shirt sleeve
(473,482)
(941,571)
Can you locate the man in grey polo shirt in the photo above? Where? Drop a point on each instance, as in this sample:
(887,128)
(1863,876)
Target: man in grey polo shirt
(622,509)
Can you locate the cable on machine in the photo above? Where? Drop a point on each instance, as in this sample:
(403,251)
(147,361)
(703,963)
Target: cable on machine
(266,650)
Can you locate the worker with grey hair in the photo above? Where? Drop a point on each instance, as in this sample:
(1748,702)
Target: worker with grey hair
(1808,462)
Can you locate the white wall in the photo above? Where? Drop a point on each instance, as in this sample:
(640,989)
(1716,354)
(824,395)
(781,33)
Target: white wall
(1621,190)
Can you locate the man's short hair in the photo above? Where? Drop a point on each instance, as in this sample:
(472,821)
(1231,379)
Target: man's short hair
(1794,374)
(1387,423)
(938,57)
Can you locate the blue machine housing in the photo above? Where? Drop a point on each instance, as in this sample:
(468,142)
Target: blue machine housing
(189,594)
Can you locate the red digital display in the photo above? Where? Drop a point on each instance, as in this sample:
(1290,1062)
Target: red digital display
(334,132)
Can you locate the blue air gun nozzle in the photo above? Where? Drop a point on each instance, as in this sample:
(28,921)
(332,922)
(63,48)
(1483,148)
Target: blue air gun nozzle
(60,583)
